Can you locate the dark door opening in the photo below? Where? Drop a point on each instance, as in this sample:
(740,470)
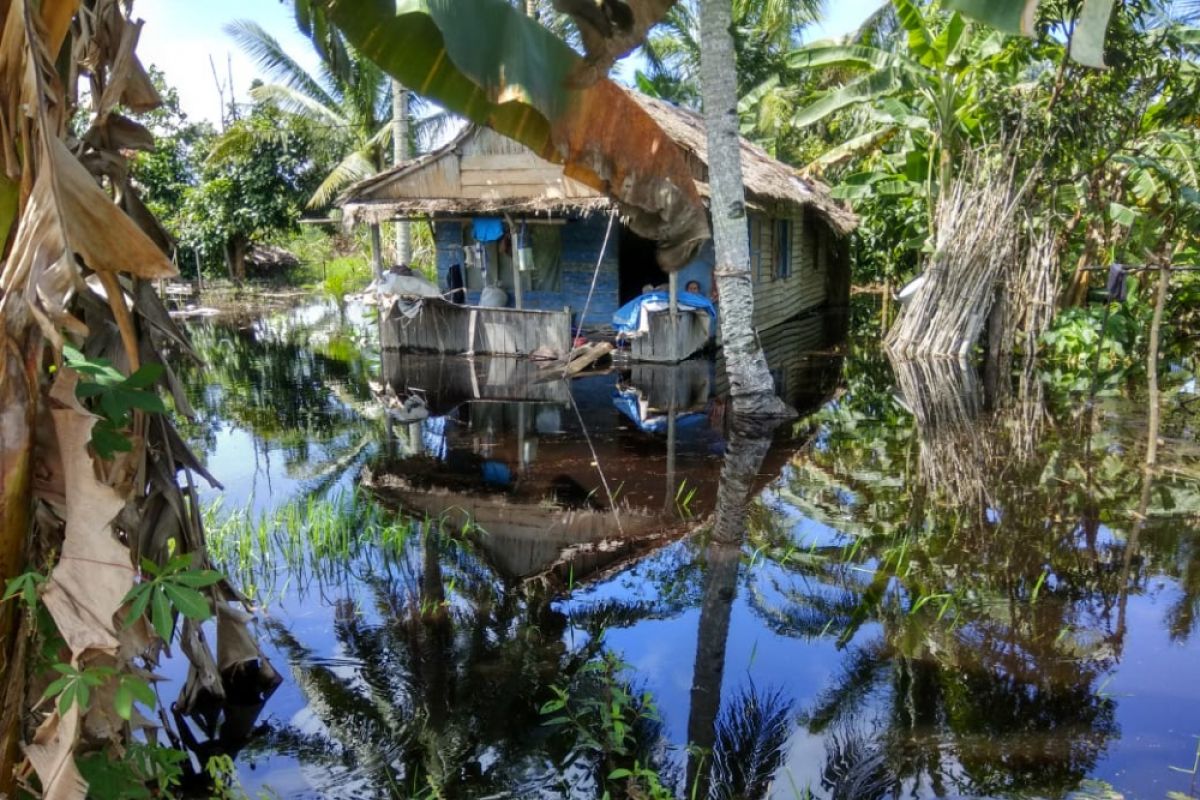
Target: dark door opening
(638,266)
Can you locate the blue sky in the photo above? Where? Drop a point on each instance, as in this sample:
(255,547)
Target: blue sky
(181,35)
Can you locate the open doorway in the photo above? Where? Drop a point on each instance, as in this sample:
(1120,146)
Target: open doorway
(638,266)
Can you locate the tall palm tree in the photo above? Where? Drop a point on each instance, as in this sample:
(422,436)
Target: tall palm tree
(764,31)
(751,386)
(351,101)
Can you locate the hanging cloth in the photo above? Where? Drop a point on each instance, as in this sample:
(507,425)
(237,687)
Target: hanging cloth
(524,248)
(488,229)
(1116,283)
(481,259)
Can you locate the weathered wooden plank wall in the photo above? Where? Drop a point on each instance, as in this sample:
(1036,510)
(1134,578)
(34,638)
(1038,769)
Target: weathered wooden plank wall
(447,381)
(776,299)
(664,343)
(443,327)
(581,242)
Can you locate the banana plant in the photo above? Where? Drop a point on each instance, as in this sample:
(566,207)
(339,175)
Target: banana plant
(924,90)
(1019,16)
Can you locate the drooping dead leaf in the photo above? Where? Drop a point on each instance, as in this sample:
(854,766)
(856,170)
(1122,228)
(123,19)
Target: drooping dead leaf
(52,755)
(116,132)
(235,645)
(203,678)
(56,21)
(67,213)
(610,29)
(94,574)
(95,228)
(608,141)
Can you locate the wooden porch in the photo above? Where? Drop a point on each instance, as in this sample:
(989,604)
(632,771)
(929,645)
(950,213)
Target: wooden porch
(439,326)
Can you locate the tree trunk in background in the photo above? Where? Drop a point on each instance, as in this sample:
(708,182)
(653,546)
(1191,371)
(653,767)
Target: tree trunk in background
(236,253)
(400,153)
(750,383)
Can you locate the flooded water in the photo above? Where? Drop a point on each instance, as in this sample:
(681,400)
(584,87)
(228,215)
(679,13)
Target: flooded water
(479,583)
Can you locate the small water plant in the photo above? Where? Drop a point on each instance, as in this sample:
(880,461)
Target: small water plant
(612,726)
(318,538)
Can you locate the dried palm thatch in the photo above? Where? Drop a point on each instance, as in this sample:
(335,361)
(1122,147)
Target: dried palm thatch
(976,246)
(79,250)
(768,182)
(945,398)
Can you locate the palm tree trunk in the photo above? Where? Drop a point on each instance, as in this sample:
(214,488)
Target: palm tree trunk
(400,153)
(750,382)
(723,556)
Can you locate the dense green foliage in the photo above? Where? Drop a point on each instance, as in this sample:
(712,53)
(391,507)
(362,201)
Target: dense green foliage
(218,194)
(252,186)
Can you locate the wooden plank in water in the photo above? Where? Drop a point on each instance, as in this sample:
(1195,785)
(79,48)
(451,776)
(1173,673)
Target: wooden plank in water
(442,327)
(659,345)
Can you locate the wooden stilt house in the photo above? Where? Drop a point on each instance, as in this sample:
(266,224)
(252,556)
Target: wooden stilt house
(503,217)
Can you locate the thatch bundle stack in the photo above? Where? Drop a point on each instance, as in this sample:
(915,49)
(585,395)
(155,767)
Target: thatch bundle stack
(976,243)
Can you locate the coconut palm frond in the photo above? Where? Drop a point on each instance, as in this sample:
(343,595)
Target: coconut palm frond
(855,768)
(298,104)
(879,29)
(435,127)
(270,55)
(239,139)
(354,167)
(752,733)
(853,687)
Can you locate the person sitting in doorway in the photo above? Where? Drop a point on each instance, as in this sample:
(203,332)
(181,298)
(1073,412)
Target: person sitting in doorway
(693,287)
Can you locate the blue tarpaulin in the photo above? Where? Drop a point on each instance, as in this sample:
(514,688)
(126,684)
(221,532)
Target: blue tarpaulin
(488,229)
(629,404)
(628,318)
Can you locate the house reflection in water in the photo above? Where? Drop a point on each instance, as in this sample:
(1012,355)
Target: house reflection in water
(568,480)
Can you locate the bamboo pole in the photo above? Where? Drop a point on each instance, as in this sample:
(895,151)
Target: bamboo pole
(518,290)
(673,300)
(376,251)
(1160,303)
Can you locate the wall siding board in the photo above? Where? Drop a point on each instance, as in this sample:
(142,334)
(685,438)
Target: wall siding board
(779,299)
(581,241)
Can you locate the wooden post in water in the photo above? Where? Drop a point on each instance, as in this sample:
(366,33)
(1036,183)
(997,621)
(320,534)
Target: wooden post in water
(672,415)
(1160,302)
(673,292)
(518,295)
(376,251)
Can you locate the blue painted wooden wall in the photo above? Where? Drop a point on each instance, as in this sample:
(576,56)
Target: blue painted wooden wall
(581,243)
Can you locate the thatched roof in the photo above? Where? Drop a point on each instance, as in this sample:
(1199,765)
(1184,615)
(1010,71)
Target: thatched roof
(767,179)
(769,182)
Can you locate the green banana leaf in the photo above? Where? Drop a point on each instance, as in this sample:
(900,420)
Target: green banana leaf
(485,60)
(1087,44)
(1018,16)
(865,89)
(1010,16)
(823,54)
